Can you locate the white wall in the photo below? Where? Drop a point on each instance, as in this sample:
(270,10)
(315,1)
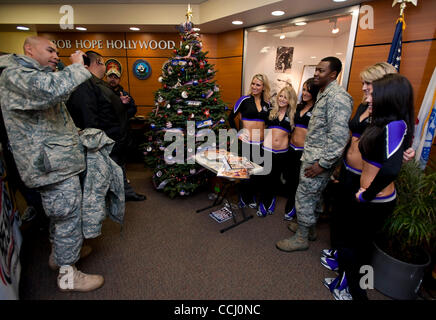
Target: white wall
(259,59)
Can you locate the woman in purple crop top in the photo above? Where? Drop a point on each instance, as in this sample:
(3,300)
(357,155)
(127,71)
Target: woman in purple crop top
(252,110)
(382,148)
(275,147)
(344,212)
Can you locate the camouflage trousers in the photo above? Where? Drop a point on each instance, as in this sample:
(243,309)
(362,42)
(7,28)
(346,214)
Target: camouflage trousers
(309,195)
(62,203)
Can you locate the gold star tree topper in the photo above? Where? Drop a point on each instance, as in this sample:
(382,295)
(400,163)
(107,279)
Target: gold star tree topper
(189,13)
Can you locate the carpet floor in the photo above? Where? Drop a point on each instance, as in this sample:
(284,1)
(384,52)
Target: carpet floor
(168,251)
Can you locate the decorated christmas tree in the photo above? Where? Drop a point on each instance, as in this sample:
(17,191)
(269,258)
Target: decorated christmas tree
(187,104)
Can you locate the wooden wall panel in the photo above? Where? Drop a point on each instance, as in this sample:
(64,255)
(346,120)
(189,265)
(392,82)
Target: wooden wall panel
(420,22)
(231,44)
(418,62)
(419,47)
(229,76)
(143,90)
(85,39)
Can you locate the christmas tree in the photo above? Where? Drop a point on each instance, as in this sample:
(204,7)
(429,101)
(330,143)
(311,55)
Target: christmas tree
(187,104)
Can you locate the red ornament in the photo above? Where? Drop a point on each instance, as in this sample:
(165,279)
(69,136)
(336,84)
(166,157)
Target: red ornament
(214,99)
(175,51)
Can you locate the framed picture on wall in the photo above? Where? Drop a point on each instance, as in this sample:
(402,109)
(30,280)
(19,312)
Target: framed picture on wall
(284,58)
(308,72)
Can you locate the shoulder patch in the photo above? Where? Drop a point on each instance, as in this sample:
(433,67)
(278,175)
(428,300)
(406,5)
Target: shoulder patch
(238,103)
(395,132)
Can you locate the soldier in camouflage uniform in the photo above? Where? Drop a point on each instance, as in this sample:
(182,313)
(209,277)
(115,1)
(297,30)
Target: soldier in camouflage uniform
(45,144)
(325,141)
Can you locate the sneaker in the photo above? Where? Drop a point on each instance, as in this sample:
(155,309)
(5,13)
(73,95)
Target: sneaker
(331,264)
(272,206)
(242,204)
(290,215)
(331,283)
(84,252)
(71,279)
(330,253)
(343,294)
(261,212)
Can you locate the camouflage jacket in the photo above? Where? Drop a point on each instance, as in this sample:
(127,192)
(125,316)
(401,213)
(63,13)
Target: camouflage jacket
(103,184)
(42,136)
(328,133)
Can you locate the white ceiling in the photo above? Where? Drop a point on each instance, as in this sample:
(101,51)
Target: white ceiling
(258,15)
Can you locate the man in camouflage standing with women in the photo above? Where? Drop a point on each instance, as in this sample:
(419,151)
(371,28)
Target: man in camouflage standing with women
(46,148)
(325,142)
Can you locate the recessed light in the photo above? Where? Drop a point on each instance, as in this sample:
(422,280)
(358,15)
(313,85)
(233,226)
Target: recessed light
(300,61)
(278,13)
(134,28)
(335,30)
(81,28)
(339,0)
(196,29)
(262,30)
(312,57)
(301,23)
(338,53)
(282,37)
(237,22)
(23,28)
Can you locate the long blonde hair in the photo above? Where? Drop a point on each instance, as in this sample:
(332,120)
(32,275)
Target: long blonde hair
(291,97)
(266,93)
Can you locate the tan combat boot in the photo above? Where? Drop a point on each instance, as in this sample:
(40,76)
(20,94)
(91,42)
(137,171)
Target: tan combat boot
(293,225)
(298,242)
(71,279)
(84,252)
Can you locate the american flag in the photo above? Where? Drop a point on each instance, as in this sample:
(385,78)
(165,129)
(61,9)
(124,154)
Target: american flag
(395,52)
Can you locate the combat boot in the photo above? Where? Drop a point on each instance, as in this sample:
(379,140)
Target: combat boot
(84,252)
(293,225)
(71,279)
(298,242)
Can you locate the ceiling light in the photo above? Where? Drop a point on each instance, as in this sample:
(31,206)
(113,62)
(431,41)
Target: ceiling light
(312,57)
(282,37)
(338,53)
(134,28)
(278,13)
(301,23)
(262,30)
(237,22)
(196,29)
(335,28)
(300,61)
(339,0)
(23,28)
(81,28)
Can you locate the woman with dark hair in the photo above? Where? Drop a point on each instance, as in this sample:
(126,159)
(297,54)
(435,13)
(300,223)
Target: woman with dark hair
(381,146)
(253,111)
(301,120)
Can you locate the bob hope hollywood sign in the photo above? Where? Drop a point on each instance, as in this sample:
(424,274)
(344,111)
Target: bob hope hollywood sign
(115,44)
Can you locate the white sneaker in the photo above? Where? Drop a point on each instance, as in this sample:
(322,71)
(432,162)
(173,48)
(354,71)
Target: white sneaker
(71,279)
(343,294)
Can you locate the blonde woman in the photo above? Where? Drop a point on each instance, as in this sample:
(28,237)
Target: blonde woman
(280,122)
(253,112)
(349,179)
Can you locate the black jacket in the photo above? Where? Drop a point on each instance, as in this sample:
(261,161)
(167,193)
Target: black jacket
(94,105)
